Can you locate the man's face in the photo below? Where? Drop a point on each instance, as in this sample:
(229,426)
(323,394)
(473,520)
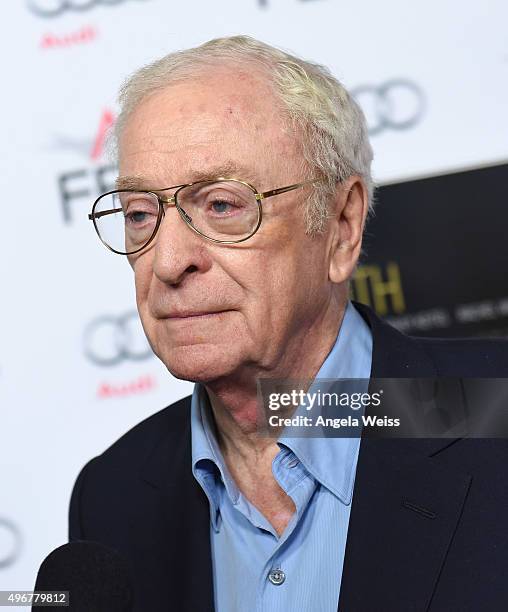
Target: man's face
(213,310)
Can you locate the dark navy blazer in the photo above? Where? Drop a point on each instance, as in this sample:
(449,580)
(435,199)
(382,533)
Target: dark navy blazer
(429,522)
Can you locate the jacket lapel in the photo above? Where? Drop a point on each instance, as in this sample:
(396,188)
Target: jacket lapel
(181,535)
(405,506)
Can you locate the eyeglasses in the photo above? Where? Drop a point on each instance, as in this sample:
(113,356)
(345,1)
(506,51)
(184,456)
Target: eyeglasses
(224,210)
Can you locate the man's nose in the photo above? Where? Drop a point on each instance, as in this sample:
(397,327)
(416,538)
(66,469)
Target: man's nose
(179,251)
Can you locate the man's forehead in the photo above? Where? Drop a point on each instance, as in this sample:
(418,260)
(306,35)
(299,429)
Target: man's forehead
(189,132)
(220,91)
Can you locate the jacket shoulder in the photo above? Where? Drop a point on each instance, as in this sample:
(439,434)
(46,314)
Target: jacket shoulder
(467,357)
(112,476)
(397,354)
(135,444)
(124,458)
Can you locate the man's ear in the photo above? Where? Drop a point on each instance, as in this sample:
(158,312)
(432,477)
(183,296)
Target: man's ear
(348,213)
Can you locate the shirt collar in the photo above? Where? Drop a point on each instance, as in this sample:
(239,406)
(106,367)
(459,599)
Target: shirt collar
(207,461)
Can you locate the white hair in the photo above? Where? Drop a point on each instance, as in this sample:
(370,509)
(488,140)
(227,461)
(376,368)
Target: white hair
(332,126)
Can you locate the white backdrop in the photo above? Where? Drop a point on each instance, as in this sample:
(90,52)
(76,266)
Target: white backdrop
(74,371)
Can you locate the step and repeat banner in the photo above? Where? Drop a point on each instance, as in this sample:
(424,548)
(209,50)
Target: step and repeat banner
(75,369)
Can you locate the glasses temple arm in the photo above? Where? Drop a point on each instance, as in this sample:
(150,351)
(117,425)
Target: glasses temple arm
(272,192)
(103,213)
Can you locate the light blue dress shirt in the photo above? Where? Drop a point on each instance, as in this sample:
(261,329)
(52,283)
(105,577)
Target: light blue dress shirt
(254,569)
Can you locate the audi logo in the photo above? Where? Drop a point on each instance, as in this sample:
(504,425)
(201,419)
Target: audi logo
(10,543)
(54,8)
(110,340)
(398,104)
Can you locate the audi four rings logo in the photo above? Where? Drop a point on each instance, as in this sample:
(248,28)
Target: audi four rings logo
(398,104)
(110,340)
(10,543)
(54,8)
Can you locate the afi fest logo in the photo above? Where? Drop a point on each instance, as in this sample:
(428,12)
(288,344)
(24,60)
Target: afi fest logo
(85,182)
(55,8)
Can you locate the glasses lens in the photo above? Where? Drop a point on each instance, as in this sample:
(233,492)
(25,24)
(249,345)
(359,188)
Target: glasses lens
(222,210)
(126,220)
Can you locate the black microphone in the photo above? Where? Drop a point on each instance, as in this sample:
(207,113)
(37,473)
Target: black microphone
(97,578)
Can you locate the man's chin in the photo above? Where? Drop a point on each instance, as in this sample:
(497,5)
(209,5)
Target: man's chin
(198,363)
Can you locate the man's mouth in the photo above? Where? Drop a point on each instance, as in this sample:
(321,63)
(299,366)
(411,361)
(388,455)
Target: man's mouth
(194,314)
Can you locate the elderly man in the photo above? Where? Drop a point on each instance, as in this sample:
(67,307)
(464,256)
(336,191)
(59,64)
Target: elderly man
(243,192)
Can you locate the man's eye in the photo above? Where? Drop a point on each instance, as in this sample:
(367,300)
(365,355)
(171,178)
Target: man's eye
(137,217)
(221,206)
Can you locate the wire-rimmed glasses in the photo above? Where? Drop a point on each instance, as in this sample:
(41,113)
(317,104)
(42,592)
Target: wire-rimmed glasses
(224,210)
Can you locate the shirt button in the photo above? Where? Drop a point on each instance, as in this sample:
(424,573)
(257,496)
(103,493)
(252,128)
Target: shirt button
(293,463)
(276,576)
